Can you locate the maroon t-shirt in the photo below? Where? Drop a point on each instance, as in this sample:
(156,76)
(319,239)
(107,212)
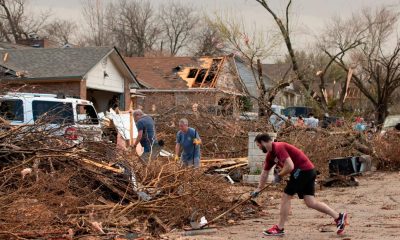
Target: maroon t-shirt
(281,151)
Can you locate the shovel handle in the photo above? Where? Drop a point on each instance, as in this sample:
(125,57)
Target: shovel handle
(233,207)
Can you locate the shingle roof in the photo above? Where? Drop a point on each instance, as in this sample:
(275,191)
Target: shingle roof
(278,71)
(53,62)
(158,72)
(6,45)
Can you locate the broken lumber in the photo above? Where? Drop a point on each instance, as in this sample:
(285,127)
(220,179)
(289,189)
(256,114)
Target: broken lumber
(231,167)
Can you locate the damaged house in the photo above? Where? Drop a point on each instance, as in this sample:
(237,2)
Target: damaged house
(211,83)
(272,73)
(98,74)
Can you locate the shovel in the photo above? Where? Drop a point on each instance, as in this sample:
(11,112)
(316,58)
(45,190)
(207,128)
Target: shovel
(199,225)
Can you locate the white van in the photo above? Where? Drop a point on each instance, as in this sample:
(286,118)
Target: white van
(76,119)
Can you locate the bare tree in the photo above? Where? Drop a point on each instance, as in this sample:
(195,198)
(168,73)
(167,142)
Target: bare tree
(94,13)
(178,23)
(376,63)
(128,24)
(285,30)
(59,30)
(339,38)
(17,22)
(135,29)
(207,41)
(252,47)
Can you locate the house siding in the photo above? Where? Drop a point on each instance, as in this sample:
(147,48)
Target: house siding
(114,82)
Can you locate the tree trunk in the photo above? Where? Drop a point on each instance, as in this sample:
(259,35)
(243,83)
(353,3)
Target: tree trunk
(261,107)
(324,100)
(262,90)
(381,113)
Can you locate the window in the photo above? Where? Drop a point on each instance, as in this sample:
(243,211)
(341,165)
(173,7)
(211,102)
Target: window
(86,115)
(192,73)
(53,112)
(12,110)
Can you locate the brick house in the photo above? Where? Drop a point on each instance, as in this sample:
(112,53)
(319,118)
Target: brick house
(211,83)
(98,74)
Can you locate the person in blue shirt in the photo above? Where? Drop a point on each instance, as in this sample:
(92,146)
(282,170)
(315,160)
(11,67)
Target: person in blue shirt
(146,136)
(187,139)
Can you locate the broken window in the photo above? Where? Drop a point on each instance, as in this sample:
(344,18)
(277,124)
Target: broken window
(12,110)
(226,106)
(192,73)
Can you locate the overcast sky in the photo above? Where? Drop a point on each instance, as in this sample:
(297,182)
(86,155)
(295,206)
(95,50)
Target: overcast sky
(308,15)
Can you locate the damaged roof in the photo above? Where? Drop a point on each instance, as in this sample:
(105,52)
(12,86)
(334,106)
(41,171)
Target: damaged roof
(278,71)
(174,72)
(7,45)
(43,63)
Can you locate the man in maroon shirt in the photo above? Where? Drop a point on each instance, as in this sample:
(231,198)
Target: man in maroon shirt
(290,160)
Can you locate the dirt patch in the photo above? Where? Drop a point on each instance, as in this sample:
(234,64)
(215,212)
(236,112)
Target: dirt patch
(373,207)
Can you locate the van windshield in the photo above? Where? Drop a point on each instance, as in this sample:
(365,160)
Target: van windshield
(86,115)
(52,112)
(12,110)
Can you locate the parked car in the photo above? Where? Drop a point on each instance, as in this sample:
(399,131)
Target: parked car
(330,121)
(253,116)
(75,119)
(297,111)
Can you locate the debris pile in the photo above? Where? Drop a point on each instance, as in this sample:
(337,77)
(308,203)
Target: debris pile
(223,137)
(321,146)
(387,151)
(50,187)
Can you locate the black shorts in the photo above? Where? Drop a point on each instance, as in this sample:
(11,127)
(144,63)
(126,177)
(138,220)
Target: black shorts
(304,184)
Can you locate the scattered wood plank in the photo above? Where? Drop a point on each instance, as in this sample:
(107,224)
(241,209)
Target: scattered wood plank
(103,166)
(231,167)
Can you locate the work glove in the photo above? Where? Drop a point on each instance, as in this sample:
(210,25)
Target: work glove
(255,193)
(196,141)
(176,158)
